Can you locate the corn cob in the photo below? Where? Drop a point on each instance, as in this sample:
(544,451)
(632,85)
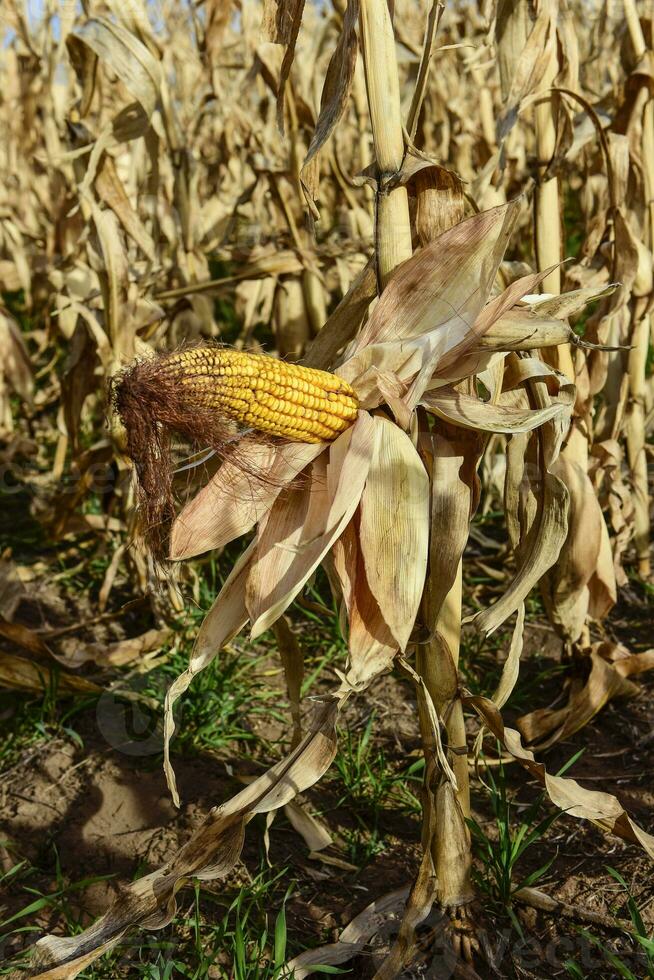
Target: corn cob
(264,393)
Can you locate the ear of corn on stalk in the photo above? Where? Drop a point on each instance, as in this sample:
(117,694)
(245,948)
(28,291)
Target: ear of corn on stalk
(264,393)
(209,394)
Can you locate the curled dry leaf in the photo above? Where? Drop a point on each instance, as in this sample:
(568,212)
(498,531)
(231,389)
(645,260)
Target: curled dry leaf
(472,413)
(210,853)
(115,654)
(292,659)
(545,726)
(19,674)
(536,500)
(584,560)
(600,808)
(357,934)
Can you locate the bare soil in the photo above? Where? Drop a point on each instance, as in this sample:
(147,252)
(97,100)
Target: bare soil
(109,813)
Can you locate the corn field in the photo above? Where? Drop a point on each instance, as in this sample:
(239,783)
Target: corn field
(326,438)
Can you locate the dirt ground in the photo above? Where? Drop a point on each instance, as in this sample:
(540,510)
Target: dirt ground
(84,805)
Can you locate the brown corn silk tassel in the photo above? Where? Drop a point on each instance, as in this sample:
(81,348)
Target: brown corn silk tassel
(209,395)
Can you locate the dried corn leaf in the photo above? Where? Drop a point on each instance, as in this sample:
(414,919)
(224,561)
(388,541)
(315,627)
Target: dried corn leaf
(15,369)
(334,98)
(26,638)
(19,674)
(547,726)
(602,809)
(113,281)
(114,654)
(122,51)
(471,412)
(394,528)
(225,619)
(511,666)
(210,853)
(565,586)
(288,20)
(292,659)
(239,495)
(542,548)
(111,192)
(312,830)
(374,919)
(523,47)
(301,528)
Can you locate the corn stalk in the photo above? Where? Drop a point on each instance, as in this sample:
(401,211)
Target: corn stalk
(445,833)
(547,200)
(641,327)
(393,226)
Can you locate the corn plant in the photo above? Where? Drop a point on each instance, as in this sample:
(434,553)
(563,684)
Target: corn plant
(361,450)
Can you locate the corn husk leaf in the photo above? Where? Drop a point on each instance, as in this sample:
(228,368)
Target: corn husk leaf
(301,528)
(344,322)
(453,458)
(239,495)
(443,287)
(394,528)
(371,645)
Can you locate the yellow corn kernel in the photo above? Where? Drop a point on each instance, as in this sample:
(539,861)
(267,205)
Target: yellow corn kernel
(262,392)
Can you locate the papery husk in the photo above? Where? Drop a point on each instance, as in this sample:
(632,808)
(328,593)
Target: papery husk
(238,496)
(301,526)
(394,528)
